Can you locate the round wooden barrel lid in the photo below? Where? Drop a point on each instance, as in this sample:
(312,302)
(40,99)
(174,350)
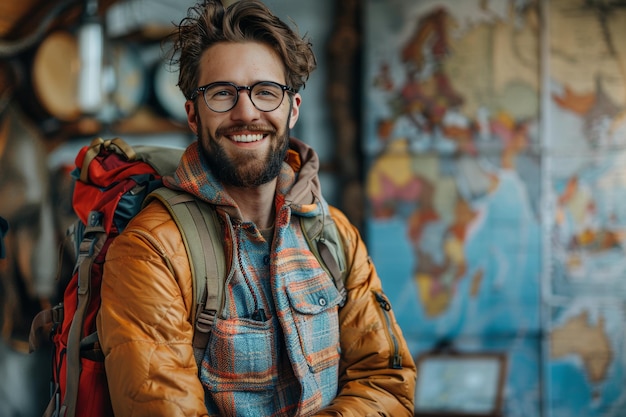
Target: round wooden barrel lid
(55,73)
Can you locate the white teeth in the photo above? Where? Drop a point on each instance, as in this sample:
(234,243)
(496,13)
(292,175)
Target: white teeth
(246,138)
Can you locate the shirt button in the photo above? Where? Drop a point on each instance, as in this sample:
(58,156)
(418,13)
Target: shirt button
(322,302)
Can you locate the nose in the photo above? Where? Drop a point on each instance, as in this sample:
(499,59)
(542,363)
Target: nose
(244,108)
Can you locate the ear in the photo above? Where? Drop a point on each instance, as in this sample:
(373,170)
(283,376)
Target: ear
(295,109)
(192,117)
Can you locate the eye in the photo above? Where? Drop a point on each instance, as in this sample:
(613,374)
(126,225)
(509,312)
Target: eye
(220,92)
(267,91)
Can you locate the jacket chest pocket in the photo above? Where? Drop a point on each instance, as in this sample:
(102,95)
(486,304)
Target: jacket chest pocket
(315,304)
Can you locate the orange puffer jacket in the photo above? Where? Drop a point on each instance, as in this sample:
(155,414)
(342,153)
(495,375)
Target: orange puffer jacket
(146,329)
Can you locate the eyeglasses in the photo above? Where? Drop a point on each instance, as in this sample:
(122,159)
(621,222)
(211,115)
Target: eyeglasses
(222,96)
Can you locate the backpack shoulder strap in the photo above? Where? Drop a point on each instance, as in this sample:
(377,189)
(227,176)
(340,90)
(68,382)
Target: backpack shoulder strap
(328,247)
(91,244)
(199,227)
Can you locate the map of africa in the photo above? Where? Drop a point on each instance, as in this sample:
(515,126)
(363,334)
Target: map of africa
(496,189)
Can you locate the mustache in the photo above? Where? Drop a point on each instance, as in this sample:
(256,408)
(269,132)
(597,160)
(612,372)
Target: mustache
(243,127)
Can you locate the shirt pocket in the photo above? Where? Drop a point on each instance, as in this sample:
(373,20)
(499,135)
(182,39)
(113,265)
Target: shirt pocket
(315,304)
(240,356)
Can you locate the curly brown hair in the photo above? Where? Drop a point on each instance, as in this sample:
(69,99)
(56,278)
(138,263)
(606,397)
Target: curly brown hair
(208,23)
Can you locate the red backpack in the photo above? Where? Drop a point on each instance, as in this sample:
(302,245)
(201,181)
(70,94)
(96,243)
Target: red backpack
(113,182)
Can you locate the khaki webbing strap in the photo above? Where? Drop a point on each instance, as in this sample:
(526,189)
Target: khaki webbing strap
(90,155)
(117,145)
(205,314)
(90,247)
(120,147)
(323,231)
(53,403)
(199,227)
(333,267)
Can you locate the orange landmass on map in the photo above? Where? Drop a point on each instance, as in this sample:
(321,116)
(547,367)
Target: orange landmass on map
(588,341)
(577,103)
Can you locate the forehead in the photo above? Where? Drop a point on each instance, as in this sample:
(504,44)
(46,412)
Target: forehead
(242,63)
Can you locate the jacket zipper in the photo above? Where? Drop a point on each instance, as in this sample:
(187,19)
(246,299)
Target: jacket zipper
(396,358)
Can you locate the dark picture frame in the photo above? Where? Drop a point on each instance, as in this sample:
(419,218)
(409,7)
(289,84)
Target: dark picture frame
(460,384)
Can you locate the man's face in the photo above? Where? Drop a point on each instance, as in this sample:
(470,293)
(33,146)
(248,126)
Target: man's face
(244,146)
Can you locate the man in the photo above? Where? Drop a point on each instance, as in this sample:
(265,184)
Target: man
(286,343)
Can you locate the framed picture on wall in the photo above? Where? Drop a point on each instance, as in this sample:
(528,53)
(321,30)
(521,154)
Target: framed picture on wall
(460,384)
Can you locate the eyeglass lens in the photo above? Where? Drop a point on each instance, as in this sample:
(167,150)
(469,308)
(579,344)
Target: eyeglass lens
(266,96)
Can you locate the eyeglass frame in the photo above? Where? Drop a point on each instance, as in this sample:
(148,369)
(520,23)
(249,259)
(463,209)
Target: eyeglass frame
(238,88)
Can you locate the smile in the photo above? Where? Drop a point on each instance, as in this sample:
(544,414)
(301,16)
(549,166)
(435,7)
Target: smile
(246,138)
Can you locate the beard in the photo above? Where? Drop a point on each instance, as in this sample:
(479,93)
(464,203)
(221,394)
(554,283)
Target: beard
(245,170)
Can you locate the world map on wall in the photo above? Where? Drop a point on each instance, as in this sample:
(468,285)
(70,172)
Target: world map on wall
(493,231)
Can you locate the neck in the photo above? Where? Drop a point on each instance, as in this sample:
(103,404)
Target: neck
(255,204)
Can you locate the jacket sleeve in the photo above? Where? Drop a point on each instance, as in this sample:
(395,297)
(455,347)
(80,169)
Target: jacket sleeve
(143,322)
(377,371)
